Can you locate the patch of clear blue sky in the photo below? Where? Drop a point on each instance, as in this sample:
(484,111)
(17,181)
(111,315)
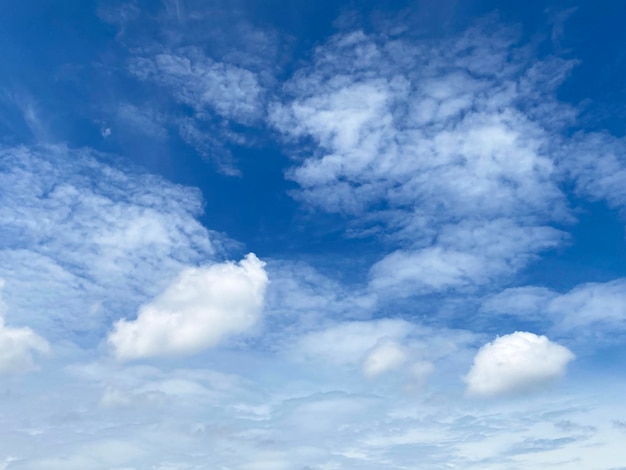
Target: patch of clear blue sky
(61,61)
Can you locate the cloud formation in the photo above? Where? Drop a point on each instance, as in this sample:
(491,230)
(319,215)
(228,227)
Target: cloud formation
(597,163)
(385,356)
(349,343)
(515,363)
(203,84)
(449,159)
(373,348)
(444,147)
(18,345)
(85,238)
(601,306)
(201,308)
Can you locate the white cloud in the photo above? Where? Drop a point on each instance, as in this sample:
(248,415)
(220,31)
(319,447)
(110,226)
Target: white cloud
(597,163)
(601,306)
(219,93)
(18,345)
(515,363)
(196,80)
(375,347)
(386,356)
(209,144)
(348,343)
(521,301)
(443,146)
(465,254)
(200,309)
(85,240)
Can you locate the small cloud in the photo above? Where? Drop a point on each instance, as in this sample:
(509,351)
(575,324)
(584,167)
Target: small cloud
(516,363)
(18,345)
(106,132)
(200,309)
(354,343)
(386,356)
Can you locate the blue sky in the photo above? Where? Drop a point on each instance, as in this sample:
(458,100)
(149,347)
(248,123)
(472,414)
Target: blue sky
(321,236)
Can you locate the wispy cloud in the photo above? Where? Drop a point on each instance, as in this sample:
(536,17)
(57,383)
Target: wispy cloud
(597,164)
(210,67)
(205,85)
(588,311)
(447,144)
(84,242)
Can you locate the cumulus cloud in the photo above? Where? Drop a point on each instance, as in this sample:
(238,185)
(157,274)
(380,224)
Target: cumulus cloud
(516,363)
(201,308)
(18,345)
(445,147)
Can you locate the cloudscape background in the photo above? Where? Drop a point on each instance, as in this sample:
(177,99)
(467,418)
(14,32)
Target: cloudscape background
(312,235)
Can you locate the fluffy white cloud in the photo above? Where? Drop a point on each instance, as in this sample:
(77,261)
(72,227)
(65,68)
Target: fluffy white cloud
(515,363)
(18,345)
(200,309)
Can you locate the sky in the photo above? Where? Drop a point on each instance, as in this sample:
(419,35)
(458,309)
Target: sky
(296,235)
